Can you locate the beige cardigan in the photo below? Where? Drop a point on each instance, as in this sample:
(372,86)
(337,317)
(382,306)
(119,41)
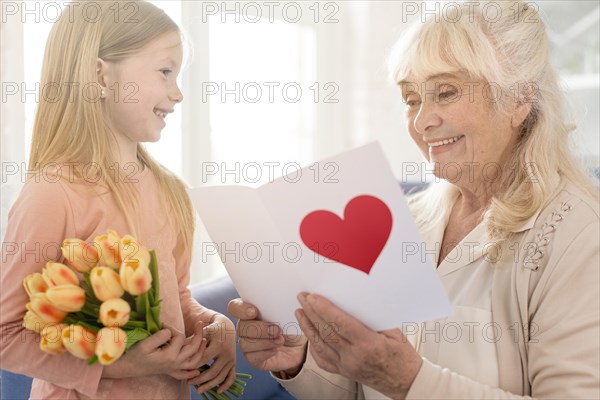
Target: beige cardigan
(551,285)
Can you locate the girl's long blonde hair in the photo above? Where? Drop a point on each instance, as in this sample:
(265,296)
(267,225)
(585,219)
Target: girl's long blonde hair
(70,126)
(507,47)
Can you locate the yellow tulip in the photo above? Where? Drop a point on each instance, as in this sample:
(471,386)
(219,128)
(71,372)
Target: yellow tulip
(136,277)
(110,345)
(34,283)
(51,339)
(33,322)
(68,298)
(109,246)
(131,249)
(44,309)
(56,274)
(81,255)
(105,283)
(79,341)
(114,312)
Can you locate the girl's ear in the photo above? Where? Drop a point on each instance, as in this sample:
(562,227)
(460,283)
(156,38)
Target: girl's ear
(102,71)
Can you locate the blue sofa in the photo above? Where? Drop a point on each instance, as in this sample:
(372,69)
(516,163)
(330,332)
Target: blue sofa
(215,295)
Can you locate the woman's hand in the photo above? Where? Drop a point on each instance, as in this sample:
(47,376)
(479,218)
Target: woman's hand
(220,335)
(263,344)
(166,352)
(341,344)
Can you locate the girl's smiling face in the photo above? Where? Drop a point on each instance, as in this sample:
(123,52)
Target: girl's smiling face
(457,127)
(141,90)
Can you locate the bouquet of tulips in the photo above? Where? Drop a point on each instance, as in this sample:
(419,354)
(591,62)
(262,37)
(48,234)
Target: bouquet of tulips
(117,306)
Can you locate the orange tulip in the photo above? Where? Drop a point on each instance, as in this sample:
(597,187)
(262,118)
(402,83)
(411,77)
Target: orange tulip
(131,249)
(79,341)
(114,312)
(110,345)
(81,255)
(34,283)
(51,339)
(136,277)
(40,305)
(56,274)
(68,298)
(33,322)
(110,249)
(105,283)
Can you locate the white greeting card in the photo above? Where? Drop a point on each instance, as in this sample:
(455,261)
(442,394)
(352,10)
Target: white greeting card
(347,236)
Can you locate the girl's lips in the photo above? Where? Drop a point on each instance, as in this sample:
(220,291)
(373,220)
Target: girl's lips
(160,113)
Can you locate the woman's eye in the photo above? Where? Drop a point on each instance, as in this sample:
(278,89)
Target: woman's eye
(447,94)
(165,72)
(412,103)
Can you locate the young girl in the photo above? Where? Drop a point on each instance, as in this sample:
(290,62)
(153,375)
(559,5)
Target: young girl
(108,82)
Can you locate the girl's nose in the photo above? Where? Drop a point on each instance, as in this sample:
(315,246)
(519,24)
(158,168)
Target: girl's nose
(176,96)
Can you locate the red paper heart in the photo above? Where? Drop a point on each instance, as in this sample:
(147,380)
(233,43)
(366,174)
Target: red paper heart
(356,240)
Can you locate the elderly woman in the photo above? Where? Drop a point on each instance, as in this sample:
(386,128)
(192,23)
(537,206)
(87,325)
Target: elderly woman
(515,224)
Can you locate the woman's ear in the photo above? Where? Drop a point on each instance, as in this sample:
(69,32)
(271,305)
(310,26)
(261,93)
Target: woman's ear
(523,104)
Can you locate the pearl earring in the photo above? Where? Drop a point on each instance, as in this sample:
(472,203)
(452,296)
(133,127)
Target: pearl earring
(102,93)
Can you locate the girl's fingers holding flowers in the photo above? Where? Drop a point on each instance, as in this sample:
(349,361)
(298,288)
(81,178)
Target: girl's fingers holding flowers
(228,381)
(153,343)
(195,361)
(191,347)
(184,374)
(215,375)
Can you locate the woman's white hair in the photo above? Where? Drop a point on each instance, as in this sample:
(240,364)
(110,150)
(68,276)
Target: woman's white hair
(505,44)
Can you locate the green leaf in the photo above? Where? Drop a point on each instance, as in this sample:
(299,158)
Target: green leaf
(135,335)
(91,327)
(155,317)
(141,302)
(153,325)
(154,271)
(134,324)
(91,310)
(92,360)
(89,291)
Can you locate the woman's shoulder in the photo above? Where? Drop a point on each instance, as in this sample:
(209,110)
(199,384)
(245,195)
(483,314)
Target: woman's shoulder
(587,205)
(570,212)
(568,225)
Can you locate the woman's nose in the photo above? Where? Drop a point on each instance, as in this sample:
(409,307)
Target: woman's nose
(427,117)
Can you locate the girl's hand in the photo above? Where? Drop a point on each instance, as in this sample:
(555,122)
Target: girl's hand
(190,357)
(220,348)
(341,344)
(165,352)
(264,345)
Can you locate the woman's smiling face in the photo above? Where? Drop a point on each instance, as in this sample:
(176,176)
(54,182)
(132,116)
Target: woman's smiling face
(458,128)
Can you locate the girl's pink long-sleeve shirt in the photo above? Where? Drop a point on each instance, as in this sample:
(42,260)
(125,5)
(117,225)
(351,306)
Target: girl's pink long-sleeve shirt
(47,211)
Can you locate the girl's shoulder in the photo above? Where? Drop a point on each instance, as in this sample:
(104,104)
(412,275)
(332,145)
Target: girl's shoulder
(50,189)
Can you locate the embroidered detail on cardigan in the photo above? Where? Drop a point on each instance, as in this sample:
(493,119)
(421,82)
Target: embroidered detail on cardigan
(535,252)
